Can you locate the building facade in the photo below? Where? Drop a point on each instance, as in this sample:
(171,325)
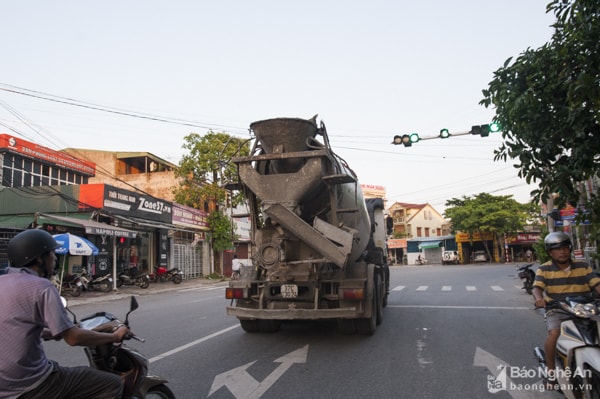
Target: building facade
(414,223)
(130,223)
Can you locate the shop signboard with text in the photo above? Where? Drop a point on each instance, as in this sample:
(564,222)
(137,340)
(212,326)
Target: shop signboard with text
(45,154)
(119,201)
(466,237)
(190,217)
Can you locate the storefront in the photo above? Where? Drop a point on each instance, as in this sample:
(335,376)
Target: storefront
(149,217)
(397,251)
(191,249)
(468,244)
(519,247)
(105,236)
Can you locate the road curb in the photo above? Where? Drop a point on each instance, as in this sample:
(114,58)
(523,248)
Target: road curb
(88,297)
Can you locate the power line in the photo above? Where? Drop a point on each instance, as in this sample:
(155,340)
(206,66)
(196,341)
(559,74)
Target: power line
(113,110)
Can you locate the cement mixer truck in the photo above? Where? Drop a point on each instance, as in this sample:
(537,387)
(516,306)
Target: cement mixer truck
(318,248)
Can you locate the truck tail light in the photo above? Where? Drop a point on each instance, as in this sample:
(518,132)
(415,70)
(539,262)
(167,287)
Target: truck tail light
(352,293)
(234,293)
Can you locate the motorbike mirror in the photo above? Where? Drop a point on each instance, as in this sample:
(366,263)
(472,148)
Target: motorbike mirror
(133,305)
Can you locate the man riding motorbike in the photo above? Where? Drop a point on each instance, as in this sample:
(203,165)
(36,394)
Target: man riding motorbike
(555,280)
(31,310)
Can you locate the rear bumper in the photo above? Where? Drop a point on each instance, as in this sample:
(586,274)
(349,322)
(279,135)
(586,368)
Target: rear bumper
(293,314)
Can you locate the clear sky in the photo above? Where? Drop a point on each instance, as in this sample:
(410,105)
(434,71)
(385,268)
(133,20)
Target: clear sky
(370,69)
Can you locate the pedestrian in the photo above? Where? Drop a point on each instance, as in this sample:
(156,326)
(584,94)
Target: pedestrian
(32,310)
(556,280)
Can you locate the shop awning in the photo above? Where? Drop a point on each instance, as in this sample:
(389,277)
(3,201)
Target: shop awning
(430,244)
(17,222)
(90,226)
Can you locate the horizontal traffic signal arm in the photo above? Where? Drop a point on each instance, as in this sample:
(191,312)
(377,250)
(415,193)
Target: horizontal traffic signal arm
(482,130)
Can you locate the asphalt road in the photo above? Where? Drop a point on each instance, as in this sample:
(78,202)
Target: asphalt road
(448,332)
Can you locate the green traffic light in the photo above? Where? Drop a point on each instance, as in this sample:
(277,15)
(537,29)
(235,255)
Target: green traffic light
(494,127)
(444,133)
(414,138)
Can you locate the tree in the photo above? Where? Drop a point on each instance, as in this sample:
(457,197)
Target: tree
(487,214)
(548,104)
(204,171)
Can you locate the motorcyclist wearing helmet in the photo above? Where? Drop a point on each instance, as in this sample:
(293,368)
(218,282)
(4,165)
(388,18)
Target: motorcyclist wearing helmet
(555,280)
(31,310)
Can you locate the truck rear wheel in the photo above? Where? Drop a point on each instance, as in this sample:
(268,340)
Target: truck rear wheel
(269,326)
(265,326)
(249,326)
(368,325)
(379,289)
(346,326)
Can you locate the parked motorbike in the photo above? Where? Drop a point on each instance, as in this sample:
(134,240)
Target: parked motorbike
(102,283)
(163,274)
(122,360)
(72,285)
(527,275)
(133,277)
(577,349)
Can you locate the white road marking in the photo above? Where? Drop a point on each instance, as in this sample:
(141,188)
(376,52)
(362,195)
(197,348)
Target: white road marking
(460,307)
(190,344)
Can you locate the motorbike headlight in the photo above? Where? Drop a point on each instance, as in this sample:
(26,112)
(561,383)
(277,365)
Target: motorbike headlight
(586,310)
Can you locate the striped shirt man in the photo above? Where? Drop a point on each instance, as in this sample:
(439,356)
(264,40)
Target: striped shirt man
(557,284)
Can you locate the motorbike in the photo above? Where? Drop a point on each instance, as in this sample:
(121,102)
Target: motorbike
(163,274)
(420,261)
(527,275)
(122,360)
(577,349)
(102,283)
(72,285)
(133,277)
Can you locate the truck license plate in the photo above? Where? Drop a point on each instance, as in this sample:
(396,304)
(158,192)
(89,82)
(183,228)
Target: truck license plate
(289,291)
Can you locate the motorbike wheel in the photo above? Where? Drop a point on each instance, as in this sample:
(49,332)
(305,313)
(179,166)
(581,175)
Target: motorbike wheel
(161,392)
(143,282)
(176,278)
(76,291)
(104,286)
(592,380)
(119,282)
(529,287)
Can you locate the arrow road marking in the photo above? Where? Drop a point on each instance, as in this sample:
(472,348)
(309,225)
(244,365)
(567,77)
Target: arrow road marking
(243,386)
(496,366)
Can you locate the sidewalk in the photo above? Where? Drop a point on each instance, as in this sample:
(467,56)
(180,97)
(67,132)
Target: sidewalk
(126,291)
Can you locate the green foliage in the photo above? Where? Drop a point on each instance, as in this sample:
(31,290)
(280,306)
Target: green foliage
(548,103)
(486,213)
(221,229)
(207,168)
(204,171)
